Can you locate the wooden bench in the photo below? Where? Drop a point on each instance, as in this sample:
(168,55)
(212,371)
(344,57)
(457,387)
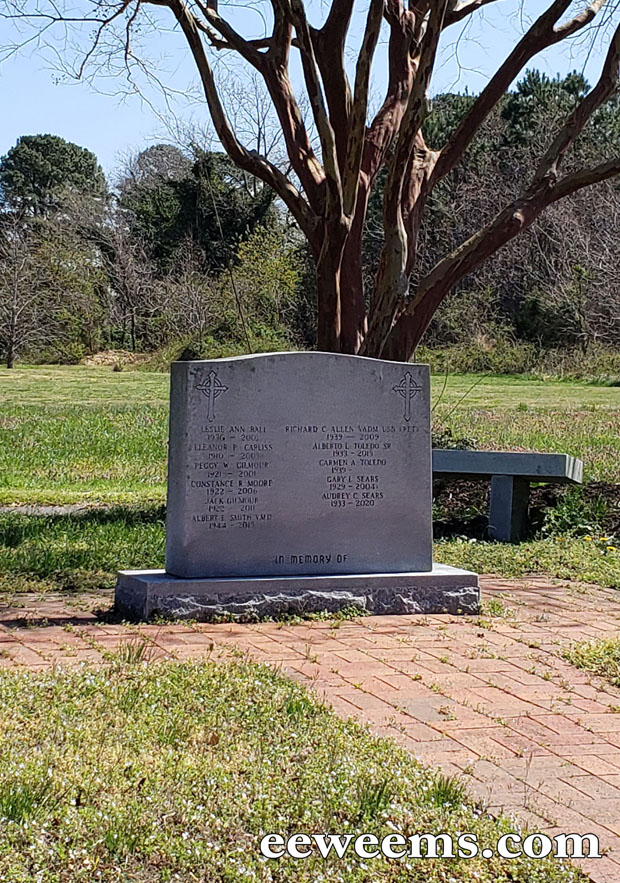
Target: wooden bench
(511,473)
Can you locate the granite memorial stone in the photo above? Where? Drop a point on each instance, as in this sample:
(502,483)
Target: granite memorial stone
(297,482)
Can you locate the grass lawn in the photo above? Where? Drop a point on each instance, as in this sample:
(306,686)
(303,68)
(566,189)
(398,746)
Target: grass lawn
(70,434)
(83,551)
(173,772)
(73,434)
(85,434)
(163,772)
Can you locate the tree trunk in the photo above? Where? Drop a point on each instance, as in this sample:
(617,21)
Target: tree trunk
(390,291)
(410,327)
(10,352)
(354,308)
(403,339)
(354,324)
(328,279)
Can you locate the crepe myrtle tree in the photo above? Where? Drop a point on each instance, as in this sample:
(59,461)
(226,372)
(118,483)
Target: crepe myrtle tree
(327,180)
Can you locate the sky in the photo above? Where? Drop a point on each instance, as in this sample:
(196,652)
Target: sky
(35,99)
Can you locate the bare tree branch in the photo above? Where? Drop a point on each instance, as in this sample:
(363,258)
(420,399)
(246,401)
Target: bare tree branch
(329,45)
(319,111)
(386,123)
(462,10)
(542,34)
(357,126)
(585,178)
(233,39)
(604,89)
(256,165)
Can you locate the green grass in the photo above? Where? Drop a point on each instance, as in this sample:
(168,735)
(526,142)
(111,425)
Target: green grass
(71,434)
(78,552)
(562,557)
(83,434)
(514,413)
(174,772)
(83,551)
(49,386)
(601,657)
(73,453)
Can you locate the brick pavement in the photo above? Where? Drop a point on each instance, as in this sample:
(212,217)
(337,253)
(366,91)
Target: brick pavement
(489,699)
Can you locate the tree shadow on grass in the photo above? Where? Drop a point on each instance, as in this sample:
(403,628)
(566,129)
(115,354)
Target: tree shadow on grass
(17,527)
(9,620)
(79,552)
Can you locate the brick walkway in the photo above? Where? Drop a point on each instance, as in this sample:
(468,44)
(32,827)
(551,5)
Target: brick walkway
(489,699)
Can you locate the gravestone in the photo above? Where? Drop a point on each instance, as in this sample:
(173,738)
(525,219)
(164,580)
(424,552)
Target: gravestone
(298,482)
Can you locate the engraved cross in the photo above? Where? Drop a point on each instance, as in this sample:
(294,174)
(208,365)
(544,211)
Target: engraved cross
(211,388)
(407,388)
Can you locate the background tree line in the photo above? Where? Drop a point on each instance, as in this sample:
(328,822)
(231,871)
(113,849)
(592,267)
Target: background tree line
(188,255)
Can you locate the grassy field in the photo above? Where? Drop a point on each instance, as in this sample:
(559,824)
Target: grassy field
(72,434)
(75,434)
(158,772)
(173,772)
(83,551)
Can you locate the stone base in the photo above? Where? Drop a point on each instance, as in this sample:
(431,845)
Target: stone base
(144,594)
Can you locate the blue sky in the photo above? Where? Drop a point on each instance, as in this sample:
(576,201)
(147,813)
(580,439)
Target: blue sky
(33,99)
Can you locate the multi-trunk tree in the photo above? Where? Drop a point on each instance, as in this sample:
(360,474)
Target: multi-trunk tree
(327,186)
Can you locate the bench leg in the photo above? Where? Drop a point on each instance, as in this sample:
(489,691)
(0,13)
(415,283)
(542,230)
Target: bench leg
(508,515)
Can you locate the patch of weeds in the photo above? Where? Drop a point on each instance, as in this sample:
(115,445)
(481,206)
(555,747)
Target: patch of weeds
(300,706)
(174,730)
(122,834)
(602,657)
(605,545)
(576,515)
(344,614)
(444,437)
(496,608)
(22,800)
(572,558)
(373,797)
(135,651)
(309,654)
(348,613)
(446,791)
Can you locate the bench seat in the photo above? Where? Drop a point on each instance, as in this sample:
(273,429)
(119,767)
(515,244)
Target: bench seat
(511,473)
